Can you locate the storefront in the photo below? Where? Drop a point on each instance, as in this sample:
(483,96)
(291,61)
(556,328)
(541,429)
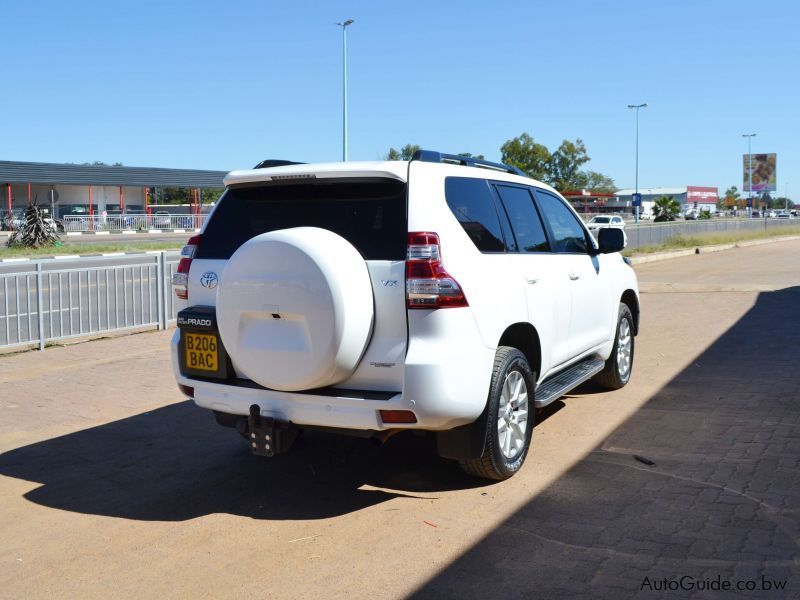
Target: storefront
(67,189)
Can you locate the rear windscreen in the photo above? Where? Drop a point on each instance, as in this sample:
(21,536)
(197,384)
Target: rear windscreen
(368,213)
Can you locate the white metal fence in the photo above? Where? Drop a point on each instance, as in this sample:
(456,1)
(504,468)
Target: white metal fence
(658,233)
(52,300)
(132,222)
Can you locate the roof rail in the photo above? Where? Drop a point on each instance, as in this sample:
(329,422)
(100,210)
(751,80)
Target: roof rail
(266,164)
(467,161)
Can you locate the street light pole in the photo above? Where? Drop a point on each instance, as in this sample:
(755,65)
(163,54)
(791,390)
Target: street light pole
(637,107)
(786,197)
(749,137)
(344,25)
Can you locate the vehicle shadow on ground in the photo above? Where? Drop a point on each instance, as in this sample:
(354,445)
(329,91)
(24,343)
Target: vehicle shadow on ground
(175,463)
(719,500)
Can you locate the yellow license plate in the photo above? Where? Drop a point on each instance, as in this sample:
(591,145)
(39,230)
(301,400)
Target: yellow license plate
(201,351)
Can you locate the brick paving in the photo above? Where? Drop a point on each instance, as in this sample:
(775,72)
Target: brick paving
(111,484)
(722,500)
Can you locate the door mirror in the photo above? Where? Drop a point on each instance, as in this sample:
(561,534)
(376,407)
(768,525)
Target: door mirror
(611,239)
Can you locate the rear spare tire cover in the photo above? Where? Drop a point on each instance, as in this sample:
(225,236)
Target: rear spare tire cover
(295,308)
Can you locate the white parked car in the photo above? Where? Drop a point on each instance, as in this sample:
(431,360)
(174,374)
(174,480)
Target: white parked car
(162,219)
(603,222)
(443,294)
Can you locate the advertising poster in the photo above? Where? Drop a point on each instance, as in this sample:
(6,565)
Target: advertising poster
(764,172)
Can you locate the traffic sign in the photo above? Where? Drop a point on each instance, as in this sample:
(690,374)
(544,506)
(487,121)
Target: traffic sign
(637,200)
(749,203)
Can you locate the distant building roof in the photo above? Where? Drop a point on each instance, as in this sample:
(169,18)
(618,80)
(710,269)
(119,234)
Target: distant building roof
(586,194)
(68,174)
(664,191)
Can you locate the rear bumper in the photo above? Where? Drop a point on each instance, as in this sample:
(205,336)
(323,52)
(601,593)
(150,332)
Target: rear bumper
(447,375)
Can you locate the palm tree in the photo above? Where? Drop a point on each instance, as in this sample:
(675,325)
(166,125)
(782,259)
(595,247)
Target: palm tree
(36,232)
(666,208)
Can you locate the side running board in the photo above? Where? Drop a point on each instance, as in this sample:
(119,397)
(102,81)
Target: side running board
(559,384)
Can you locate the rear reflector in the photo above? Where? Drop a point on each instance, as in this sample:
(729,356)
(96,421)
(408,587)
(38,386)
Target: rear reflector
(398,416)
(186,390)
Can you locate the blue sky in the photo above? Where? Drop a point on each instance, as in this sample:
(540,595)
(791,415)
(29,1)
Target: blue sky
(223,85)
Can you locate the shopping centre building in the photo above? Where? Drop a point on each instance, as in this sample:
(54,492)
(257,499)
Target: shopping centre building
(690,196)
(67,189)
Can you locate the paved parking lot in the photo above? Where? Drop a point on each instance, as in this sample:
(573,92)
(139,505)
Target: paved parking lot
(112,484)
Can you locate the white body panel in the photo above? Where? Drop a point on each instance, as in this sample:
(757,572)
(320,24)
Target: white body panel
(437,362)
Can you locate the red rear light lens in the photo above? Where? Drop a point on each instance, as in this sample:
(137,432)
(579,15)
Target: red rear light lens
(180,279)
(398,416)
(428,284)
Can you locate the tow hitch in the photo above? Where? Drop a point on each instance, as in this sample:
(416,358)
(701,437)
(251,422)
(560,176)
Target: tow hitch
(269,437)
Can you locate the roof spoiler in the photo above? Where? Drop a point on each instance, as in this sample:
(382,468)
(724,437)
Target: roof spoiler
(271,162)
(467,161)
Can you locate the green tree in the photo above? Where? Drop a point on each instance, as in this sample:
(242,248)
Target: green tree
(565,166)
(470,155)
(525,154)
(731,197)
(666,208)
(405,153)
(597,182)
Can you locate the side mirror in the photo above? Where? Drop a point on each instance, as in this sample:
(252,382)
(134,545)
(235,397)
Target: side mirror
(611,240)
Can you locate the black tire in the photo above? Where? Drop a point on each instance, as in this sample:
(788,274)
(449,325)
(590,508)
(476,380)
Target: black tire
(494,464)
(611,377)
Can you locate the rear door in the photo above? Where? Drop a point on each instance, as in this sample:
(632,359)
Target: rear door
(370,213)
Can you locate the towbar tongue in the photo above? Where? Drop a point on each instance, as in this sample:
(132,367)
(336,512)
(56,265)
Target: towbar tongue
(269,437)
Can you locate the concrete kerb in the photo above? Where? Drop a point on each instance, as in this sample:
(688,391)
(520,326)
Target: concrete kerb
(131,231)
(90,255)
(656,256)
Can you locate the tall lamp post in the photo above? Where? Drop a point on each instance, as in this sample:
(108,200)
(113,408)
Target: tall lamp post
(344,25)
(749,137)
(637,107)
(786,197)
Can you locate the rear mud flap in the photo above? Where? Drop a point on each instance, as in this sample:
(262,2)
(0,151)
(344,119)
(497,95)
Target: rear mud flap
(267,436)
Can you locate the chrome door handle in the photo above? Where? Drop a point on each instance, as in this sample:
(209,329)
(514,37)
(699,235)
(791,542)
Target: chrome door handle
(574,276)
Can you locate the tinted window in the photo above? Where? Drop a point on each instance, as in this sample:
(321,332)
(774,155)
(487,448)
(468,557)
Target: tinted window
(472,203)
(525,221)
(568,234)
(370,214)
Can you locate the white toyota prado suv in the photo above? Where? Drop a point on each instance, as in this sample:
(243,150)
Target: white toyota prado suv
(445,294)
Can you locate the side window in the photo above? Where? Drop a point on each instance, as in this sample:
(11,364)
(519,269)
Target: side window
(568,234)
(524,218)
(472,203)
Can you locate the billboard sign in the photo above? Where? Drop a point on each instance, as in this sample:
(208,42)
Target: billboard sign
(701,195)
(764,172)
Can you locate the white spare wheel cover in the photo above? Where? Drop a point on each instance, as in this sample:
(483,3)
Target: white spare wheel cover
(295,308)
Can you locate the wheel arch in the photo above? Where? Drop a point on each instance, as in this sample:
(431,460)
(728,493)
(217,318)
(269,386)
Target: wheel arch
(525,338)
(631,300)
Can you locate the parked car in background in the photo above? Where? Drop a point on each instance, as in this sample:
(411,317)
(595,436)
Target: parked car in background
(755,214)
(690,215)
(604,222)
(55,224)
(162,219)
(783,215)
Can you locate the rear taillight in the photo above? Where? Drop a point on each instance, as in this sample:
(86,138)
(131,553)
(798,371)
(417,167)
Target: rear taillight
(428,285)
(180,279)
